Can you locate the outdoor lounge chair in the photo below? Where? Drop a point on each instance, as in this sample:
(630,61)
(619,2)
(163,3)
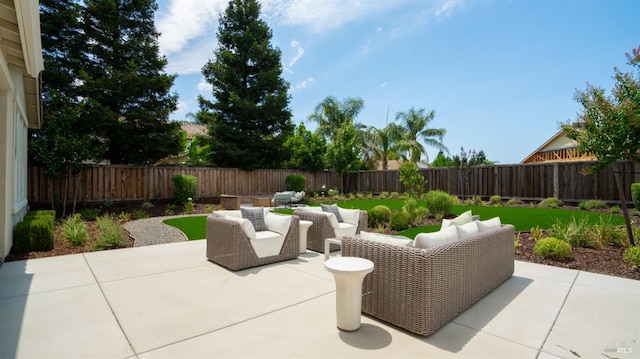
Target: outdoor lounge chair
(287,198)
(233,242)
(325,225)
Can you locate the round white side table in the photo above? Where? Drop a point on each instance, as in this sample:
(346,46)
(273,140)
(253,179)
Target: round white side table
(304,227)
(349,272)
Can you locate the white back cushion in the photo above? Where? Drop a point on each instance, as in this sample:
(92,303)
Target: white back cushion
(489,224)
(350,215)
(467,229)
(278,223)
(245,224)
(430,240)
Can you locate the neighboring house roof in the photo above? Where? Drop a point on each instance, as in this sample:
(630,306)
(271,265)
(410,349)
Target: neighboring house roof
(193,129)
(559,148)
(20,43)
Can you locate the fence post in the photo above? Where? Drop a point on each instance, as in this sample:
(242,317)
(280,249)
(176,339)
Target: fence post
(556,180)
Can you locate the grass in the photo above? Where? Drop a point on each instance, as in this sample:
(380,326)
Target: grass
(523,218)
(194,227)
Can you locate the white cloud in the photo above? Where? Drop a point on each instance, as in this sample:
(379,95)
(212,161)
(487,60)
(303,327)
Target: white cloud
(204,87)
(186,20)
(448,7)
(382,85)
(303,84)
(300,51)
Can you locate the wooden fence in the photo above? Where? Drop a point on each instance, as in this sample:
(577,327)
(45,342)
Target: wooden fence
(565,181)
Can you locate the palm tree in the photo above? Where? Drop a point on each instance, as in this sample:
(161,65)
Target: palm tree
(331,113)
(415,125)
(382,144)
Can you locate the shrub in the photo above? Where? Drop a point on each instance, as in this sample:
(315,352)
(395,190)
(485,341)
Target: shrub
(592,204)
(383,195)
(632,256)
(635,195)
(35,232)
(537,233)
(170,210)
(439,203)
(550,202)
(111,233)
(395,195)
(185,187)
(514,201)
(90,214)
(398,221)
(609,234)
(474,201)
(378,215)
(124,216)
(414,212)
(495,200)
(295,183)
(74,229)
(147,205)
(577,233)
(553,248)
(140,213)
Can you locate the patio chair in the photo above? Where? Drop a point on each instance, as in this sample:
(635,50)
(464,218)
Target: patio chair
(325,225)
(234,243)
(287,198)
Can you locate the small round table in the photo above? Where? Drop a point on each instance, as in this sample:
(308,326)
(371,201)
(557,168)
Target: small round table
(304,227)
(349,272)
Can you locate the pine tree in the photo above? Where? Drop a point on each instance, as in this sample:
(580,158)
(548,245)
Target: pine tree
(249,120)
(124,83)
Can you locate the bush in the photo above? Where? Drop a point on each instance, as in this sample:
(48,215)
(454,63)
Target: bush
(398,221)
(635,195)
(550,203)
(577,233)
(609,234)
(74,229)
(90,214)
(185,187)
(111,233)
(592,204)
(35,232)
(295,183)
(495,200)
(553,248)
(632,256)
(439,203)
(514,201)
(474,201)
(140,213)
(378,215)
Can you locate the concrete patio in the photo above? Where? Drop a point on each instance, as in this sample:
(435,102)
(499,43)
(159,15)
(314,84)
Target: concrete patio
(168,301)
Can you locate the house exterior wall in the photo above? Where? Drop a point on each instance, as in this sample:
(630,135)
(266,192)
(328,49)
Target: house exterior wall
(17,69)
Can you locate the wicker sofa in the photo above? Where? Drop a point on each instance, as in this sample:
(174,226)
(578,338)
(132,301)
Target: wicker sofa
(229,246)
(326,226)
(421,290)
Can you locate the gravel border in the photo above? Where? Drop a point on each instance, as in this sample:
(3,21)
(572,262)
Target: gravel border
(150,231)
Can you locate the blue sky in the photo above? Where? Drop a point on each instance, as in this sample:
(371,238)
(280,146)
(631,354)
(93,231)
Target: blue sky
(500,75)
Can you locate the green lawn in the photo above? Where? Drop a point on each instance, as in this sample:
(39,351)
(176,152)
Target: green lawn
(523,218)
(194,227)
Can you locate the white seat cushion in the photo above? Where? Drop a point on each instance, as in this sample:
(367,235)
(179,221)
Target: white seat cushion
(344,229)
(383,238)
(267,243)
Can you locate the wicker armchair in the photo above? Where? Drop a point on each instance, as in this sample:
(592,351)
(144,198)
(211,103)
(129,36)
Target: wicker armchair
(322,228)
(228,245)
(421,290)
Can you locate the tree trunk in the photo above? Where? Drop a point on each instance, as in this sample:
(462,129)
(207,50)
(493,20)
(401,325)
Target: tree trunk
(623,204)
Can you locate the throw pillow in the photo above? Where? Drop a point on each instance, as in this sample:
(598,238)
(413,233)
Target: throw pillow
(465,217)
(332,209)
(430,240)
(383,238)
(489,224)
(467,229)
(255,216)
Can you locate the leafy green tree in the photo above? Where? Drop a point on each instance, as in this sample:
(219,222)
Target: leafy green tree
(411,178)
(609,126)
(250,119)
(330,114)
(343,151)
(442,161)
(415,124)
(124,83)
(307,150)
(58,146)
